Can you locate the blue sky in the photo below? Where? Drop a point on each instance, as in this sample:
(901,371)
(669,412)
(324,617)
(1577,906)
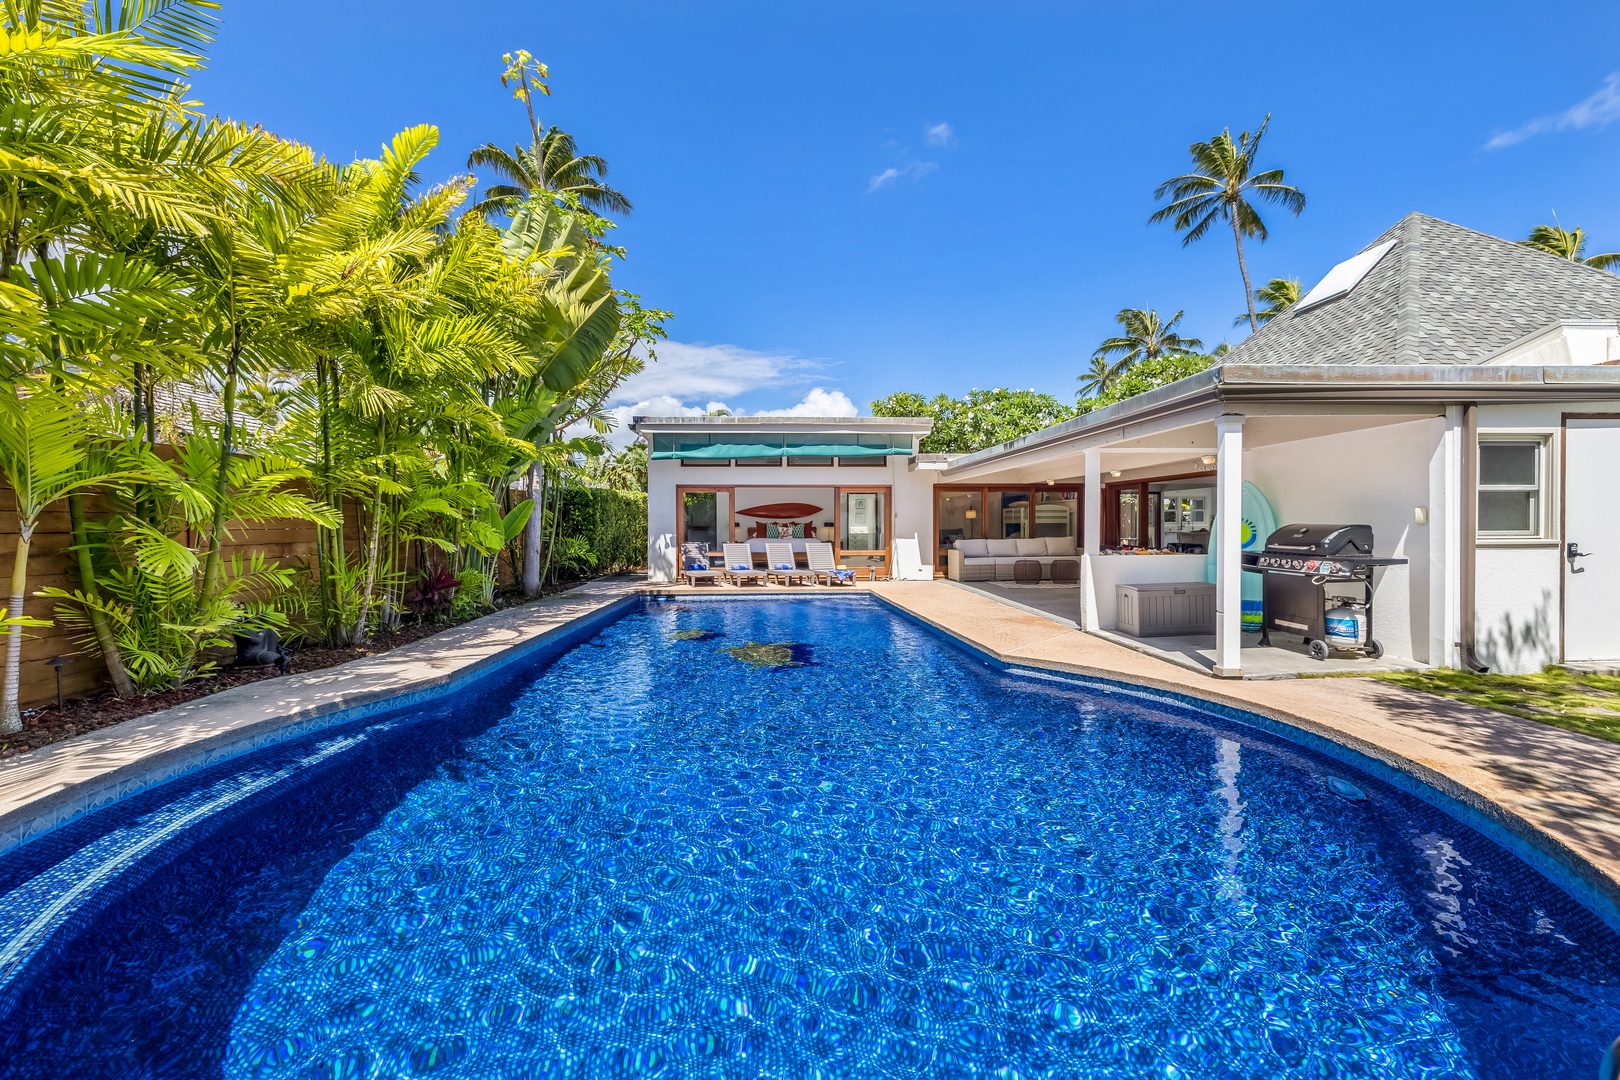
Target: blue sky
(840,200)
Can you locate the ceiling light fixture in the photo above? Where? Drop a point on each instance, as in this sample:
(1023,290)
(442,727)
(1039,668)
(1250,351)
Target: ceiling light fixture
(1207,459)
(1116,474)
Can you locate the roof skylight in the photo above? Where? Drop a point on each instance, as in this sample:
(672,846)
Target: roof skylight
(1344,277)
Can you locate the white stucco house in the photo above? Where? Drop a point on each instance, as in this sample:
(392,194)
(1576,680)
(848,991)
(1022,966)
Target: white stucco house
(1457,392)
(858,482)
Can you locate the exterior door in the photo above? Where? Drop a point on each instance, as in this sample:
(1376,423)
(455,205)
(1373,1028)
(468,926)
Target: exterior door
(1591,540)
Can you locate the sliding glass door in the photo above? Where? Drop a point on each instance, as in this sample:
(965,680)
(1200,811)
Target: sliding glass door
(986,513)
(706,516)
(959,516)
(863,527)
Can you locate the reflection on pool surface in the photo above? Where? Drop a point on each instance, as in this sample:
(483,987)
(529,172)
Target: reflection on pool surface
(877,858)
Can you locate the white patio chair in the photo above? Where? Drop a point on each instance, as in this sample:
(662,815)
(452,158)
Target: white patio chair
(695,564)
(908,564)
(819,555)
(779,562)
(740,564)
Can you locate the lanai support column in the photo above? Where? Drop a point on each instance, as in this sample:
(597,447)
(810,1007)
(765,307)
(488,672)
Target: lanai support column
(1229,537)
(1093,539)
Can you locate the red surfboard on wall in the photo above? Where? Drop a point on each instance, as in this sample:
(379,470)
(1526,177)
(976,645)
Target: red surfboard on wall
(781,511)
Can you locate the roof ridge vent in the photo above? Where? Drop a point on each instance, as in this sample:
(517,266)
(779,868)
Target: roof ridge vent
(1344,277)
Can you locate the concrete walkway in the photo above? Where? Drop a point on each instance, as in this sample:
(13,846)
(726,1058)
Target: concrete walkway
(54,784)
(1285,659)
(1558,790)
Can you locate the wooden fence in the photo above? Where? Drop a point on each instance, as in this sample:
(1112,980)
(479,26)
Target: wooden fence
(50,563)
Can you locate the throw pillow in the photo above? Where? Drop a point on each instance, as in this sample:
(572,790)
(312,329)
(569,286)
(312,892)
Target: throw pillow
(773,531)
(798,532)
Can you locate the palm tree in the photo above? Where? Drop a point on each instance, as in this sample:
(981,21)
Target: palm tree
(1219,188)
(44,456)
(553,163)
(1146,336)
(1568,244)
(1280,294)
(1100,377)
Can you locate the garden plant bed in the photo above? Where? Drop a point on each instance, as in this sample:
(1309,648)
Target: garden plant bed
(46,724)
(1577,700)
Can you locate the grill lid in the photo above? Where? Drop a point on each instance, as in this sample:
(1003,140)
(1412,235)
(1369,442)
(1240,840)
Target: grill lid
(1322,539)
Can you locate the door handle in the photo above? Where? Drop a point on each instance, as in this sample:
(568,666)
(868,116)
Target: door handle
(1572,551)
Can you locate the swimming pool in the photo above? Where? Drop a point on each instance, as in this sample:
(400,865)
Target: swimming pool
(863,852)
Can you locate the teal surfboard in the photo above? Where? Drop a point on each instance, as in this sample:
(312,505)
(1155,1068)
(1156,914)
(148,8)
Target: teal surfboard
(1259,522)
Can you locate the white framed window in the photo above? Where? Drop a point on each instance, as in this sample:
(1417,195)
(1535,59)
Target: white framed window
(1514,501)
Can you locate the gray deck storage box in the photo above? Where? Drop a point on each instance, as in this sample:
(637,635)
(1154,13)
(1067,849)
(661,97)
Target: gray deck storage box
(1158,609)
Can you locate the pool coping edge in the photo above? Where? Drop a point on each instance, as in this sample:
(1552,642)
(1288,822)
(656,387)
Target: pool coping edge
(1547,853)
(75,798)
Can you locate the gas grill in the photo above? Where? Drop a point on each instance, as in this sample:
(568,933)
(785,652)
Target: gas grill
(1299,563)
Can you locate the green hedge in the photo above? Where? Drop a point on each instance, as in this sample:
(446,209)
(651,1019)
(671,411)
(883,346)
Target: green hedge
(613,523)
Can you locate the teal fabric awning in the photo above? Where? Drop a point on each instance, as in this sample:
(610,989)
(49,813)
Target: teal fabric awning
(725,451)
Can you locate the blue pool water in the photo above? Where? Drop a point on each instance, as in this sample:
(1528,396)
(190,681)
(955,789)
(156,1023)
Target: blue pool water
(647,857)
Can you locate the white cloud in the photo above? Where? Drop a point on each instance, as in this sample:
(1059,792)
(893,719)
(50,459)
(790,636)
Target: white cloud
(941,134)
(818,402)
(699,372)
(685,374)
(915,170)
(1596,110)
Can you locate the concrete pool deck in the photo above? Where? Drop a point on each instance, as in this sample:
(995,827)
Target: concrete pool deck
(1556,791)
(53,785)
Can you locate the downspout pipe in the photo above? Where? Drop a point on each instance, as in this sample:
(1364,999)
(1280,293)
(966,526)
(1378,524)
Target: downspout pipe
(1468,571)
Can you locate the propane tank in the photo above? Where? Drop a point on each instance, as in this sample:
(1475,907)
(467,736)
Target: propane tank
(1345,627)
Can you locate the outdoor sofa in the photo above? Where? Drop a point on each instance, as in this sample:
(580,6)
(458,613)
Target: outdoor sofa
(993,560)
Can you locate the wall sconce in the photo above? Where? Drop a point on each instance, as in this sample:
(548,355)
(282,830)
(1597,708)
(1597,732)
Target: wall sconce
(1049,483)
(1420,515)
(1115,473)
(1207,459)
(971,514)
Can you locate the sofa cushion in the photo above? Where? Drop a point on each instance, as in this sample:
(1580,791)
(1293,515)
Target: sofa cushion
(1061,545)
(1034,546)
(1002,548)
(973,549)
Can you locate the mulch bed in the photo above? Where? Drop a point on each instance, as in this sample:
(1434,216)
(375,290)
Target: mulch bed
(47,725)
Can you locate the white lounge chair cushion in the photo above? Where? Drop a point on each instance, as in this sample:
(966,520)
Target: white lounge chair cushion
(1000,549)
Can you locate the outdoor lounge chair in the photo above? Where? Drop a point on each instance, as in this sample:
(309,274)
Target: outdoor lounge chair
(695,565)
(779,563)
(819,554)
(740,565)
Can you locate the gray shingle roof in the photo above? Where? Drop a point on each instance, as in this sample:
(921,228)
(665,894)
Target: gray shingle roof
(1442,295)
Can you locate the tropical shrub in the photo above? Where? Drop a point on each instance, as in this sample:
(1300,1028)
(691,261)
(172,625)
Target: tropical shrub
(610,525)
(978,419)
(207,327)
